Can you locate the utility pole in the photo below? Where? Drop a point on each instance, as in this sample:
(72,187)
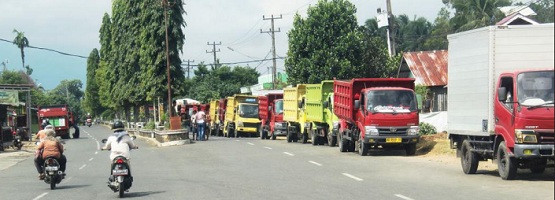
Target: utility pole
(215,66)
(272,30)
(189,67)
(391,26)
(167,5)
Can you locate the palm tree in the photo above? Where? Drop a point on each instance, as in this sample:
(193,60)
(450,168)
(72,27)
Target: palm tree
(471,14)
(21,41)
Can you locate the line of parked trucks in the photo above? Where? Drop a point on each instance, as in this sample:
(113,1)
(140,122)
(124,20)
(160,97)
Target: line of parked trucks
(500,105)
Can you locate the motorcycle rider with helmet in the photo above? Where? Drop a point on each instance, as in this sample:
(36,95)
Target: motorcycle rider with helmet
(50,147)
(120,144)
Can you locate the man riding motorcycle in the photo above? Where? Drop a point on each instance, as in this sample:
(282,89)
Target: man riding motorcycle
(120,144)
(50,147)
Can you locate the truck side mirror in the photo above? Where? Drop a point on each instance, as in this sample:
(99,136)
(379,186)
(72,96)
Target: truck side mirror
(502,94)
(357,104)
(326,104)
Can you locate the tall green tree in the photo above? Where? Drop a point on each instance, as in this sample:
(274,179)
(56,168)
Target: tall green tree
(91,102)
(327,44)
(544,10)
(105,78)
(21,42)
(68,92)
(441,28)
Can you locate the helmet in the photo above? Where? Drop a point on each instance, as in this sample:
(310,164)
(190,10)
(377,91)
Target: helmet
(49,127)
(118,126)
(50,133)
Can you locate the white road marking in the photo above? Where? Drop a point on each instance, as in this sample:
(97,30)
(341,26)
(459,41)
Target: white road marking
(237,140)
(96,152)
(289,153)
(315,163)
(353,177)
(97,145)
(250,143)
(40,196)
(91,159)
(67,180)
(267,148)
(403,197)
(80,168)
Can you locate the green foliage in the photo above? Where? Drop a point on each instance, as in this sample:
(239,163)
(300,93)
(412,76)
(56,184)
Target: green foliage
(91,102)
(476,14)
(150,125)
(544,10)
(21,42)
(421,90)
(426,129)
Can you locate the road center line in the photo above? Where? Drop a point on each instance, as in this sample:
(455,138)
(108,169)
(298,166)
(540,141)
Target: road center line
(287,153)
(267,148)
(403,197)
(315,163)
(96,152)
(250,143)
(97,145)
(80,168)
(91,159)
(67,180)
(237,140)
(40,196)
(353,177)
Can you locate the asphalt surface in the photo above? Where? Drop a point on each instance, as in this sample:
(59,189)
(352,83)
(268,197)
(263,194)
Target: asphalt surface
(250,168)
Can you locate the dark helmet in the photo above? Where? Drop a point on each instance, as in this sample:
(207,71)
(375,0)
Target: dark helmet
(118,126)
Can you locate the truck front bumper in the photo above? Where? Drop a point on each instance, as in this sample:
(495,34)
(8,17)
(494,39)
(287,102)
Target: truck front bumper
(534,151)
(247,129)
(280,131)
(391,140)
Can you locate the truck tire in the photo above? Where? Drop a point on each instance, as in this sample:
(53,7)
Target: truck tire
(332,141)
(363,149)
(228,132)
(273,136)
(262,132)
(351,147)
(469,159)
(65,136)
(342,143)
(538,166)
(314,138)
(304,138)
(410,149)
(506,165)
(289,135)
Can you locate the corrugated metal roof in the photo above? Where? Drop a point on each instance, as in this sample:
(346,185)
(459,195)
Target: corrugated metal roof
(429,68)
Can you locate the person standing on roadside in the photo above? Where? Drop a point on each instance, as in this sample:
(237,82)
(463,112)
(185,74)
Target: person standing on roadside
(200,117)
(194,128)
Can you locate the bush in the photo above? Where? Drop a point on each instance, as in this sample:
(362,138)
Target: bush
(426,129)
(150,125)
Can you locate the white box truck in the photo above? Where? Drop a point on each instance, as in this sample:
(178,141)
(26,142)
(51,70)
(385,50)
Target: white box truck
(500,97)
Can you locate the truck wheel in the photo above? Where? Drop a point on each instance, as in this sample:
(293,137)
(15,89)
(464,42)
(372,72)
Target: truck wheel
(289,136)
(314,139)
(469,160)
(65,136)
(351,147)
(273,136)
(410,149)
(363,149)
(538,166)
(332,141)
(304,138)
(342,143)
(228,132)
(261,132)
(505,164)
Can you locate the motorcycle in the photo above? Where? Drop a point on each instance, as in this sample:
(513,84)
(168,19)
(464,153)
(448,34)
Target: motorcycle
(120,179)
(53,174)
(9,138)
(89,122)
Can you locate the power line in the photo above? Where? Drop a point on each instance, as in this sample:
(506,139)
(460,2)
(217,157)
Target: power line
(48,49)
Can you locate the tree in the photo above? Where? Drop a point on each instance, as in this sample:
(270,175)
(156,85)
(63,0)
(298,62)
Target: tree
(544,10)
(327,44)
(440,30)
(68,92)
(475,13)
(21,42)
(91,102)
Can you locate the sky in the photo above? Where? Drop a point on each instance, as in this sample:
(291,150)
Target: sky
(72,27)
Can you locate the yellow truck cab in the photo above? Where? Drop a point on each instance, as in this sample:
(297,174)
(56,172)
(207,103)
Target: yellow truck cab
(294,113)
(213,113)
(241,118)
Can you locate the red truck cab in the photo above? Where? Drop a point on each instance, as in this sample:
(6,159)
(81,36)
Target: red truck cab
(376,112)
(58,116)
(270,112)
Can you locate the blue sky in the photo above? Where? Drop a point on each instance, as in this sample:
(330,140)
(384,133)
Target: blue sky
(71,26)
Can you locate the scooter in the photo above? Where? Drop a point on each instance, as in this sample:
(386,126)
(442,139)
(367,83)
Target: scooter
(53,174)
(89,122)
(10,139)
(120,179)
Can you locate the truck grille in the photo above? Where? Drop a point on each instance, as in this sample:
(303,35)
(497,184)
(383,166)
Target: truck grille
(546,138)
(250,124)
(392,130)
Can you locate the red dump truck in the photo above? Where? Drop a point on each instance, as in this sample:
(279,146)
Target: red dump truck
(270,111)
(57,116)
(376,113)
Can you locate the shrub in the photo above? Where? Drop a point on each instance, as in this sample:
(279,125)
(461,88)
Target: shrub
(426,129)
(150,125)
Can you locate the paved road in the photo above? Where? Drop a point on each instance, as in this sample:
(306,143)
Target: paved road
(250,168)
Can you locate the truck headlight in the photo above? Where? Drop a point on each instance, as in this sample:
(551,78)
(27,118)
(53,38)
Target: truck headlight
(413,130)
(525,136)
(278,125)
(370,130)
(240,124)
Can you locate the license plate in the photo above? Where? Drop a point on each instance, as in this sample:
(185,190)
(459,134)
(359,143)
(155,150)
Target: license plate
(53,168)
(119,172)
(393,140)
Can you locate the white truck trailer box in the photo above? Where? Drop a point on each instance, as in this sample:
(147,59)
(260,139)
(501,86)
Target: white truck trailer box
(478,57)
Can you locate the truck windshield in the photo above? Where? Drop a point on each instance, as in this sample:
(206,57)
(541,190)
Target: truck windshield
(279,106)
(535,88)
(391,101)
(248,110)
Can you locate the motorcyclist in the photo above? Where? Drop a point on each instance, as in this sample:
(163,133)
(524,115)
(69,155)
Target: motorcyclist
(50,147)
(41,135)
(45,122)
(120,144)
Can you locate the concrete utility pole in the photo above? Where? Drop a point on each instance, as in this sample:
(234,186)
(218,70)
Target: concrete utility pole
(272,30)
(214,51)
(189,67)
(166,5)
(391,26)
